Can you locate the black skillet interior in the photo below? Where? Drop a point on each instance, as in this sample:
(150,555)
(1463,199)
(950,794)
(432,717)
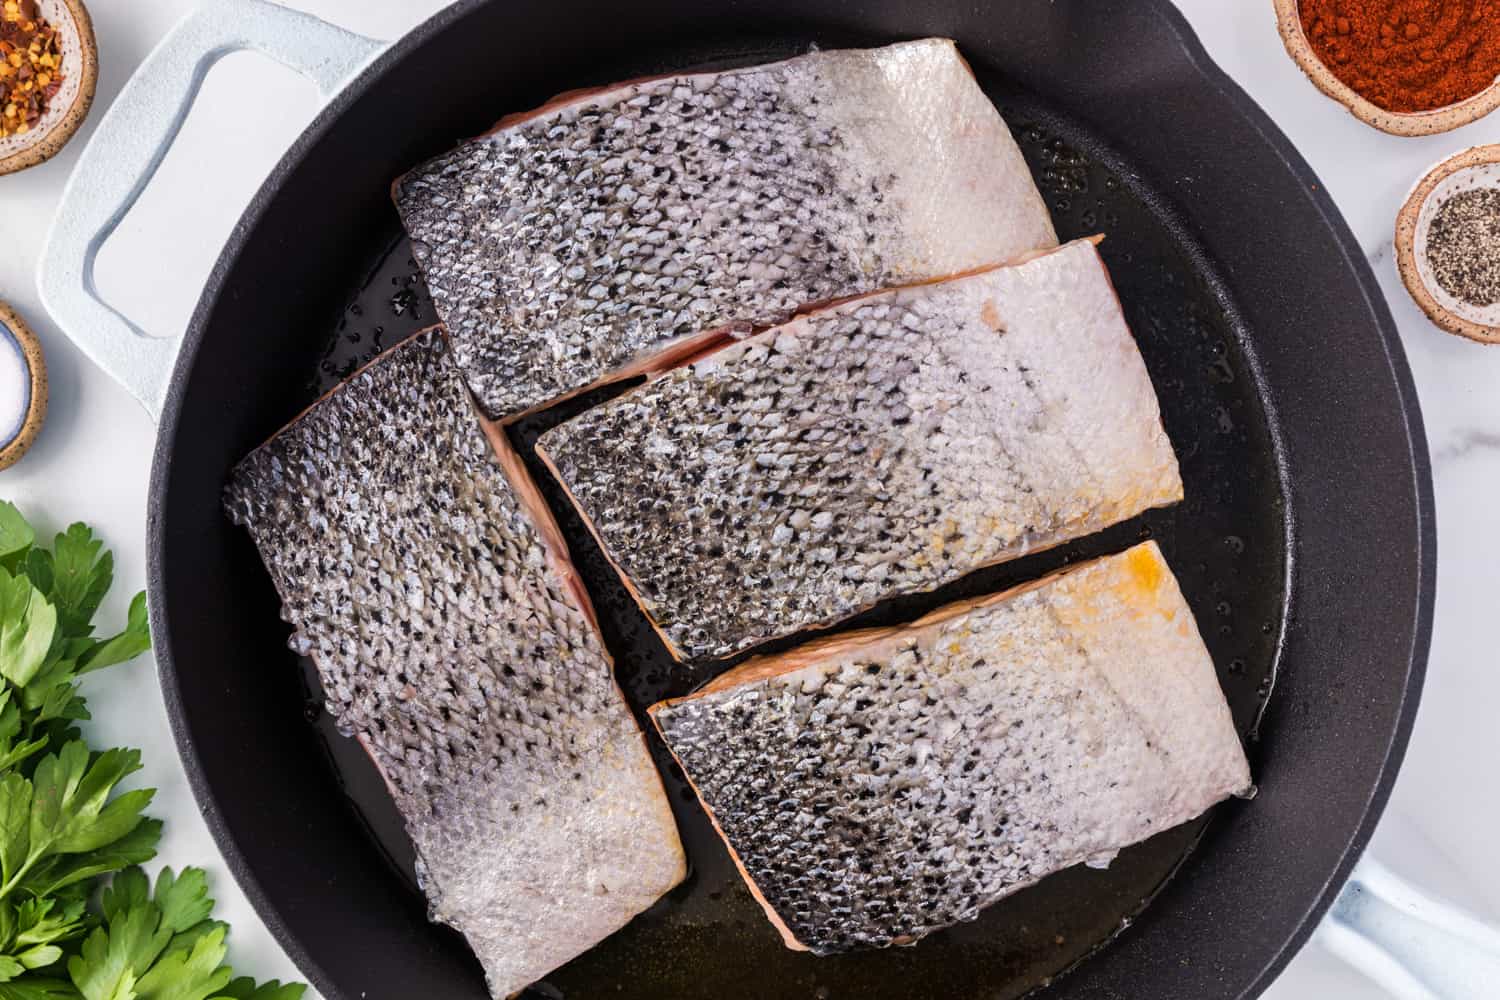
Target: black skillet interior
(1252,353)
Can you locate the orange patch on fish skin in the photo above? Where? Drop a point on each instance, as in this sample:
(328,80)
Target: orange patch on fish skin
(991,316)
(1146,570)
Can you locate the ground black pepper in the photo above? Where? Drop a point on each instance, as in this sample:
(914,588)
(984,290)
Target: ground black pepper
(1463,246)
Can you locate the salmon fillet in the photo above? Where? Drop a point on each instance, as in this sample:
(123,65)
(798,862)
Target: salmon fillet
(885,445)
(587,240)
(882,785)
(431,588)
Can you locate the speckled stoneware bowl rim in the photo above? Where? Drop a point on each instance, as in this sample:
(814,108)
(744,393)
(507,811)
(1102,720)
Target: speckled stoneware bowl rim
(13,328)
(1289,21)
(1407,222)
(63,128)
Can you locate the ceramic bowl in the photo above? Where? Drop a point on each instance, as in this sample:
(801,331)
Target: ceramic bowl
(1289,21)
(1473,168)
(69,107)
(20,362)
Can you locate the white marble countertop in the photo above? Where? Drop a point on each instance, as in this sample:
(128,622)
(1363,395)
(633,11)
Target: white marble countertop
(92,460)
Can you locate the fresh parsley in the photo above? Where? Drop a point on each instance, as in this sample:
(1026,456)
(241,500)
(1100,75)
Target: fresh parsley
(79,920)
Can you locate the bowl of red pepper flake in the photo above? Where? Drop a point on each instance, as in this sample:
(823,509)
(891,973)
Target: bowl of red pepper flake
(48,68)
(1407,67)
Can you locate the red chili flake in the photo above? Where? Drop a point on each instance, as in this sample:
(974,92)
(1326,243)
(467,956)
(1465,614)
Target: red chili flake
(30,66)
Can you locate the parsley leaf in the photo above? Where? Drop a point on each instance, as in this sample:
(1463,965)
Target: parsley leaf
(32,934)
(244,988)
(105,967)
(65,826)
(46,921)
(65,809)
(61,871)
(80,577)
(38,567)
(129,644)
(162,946)
(70,813)
(28,623)
(38,988)
(13,748)
(183,899)
(189,974)
(16,536)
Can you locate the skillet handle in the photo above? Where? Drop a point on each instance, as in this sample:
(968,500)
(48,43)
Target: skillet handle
(129,144)
(1417,947)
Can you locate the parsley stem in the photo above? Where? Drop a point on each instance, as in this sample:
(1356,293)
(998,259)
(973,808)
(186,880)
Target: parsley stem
(22,872)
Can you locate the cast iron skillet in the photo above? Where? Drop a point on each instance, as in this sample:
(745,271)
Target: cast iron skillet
(1306,545)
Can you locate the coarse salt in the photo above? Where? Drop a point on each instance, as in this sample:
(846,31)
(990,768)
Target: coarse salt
(15,387)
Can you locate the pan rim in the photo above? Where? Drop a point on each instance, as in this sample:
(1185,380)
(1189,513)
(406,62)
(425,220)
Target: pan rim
(1230,92)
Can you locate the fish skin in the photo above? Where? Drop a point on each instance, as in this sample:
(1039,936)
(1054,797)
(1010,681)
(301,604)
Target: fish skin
(883,446)
(573,245)
(880,786)
(439,608)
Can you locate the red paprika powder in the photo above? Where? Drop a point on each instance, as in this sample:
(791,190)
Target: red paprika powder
(1407,55)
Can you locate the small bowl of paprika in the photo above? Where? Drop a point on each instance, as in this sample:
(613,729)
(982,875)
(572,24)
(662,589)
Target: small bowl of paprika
(48,68)
(1448,244)
(1407,67)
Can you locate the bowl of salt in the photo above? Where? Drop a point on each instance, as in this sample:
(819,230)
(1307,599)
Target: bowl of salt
(23,387)
(1448,244)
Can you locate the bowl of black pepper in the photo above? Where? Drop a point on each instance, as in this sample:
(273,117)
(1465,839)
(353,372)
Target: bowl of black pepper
(1448,244)
(48,68)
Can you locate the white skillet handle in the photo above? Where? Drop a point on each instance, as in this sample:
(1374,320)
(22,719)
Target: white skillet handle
(1413,945)
(129,144)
